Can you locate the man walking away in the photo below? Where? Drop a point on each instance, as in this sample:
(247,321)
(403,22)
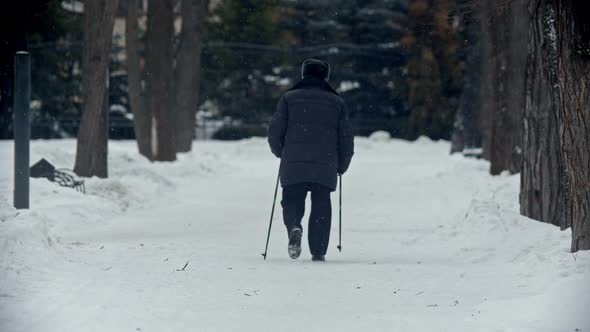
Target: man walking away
(311,134)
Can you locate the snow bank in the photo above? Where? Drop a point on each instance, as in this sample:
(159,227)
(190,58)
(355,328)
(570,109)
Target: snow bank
(431,242)
(380,136)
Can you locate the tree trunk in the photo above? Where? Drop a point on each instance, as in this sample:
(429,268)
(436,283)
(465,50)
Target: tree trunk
(142,121)
(543,194)
(487,101)
(188,71)
(573,113)
(511,33)
(466,129)
(159,74)
(91,154)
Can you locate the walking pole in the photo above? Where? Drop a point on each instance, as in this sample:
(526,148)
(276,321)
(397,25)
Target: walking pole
(340,221)
(271,215)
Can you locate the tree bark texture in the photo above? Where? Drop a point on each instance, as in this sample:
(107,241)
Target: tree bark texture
(510,34)
(573,113)
(188,71)
(543,189)
(159,77)
(142,121)
(92,147)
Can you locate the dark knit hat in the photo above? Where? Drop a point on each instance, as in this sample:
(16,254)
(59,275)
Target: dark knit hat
(315,68)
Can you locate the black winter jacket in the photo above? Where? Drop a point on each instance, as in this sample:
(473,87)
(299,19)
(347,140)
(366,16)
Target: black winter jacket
(311,134)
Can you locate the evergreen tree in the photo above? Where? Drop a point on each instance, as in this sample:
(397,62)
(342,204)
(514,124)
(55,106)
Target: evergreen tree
(235,63)
(396,68)
(360,40)
(46,33)
(433,67)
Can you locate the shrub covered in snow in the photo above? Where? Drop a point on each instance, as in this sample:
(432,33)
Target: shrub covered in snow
(380,136)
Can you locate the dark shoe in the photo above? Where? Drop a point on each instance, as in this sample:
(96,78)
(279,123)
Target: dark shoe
(295,243)
(318,258)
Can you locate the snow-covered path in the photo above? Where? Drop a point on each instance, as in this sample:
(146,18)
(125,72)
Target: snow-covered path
(430,243)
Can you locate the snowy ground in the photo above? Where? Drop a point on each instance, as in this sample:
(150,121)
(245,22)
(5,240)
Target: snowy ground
(430,243)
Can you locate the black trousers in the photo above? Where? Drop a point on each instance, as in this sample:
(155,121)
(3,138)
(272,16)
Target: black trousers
(320,219)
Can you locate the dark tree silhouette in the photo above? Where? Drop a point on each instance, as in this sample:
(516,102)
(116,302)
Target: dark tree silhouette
(573,114)
(92,148)
(159,77)
(142,120)
(188,70)
(543,184)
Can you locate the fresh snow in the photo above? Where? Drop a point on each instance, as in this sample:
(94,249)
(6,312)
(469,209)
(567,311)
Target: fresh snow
(431,242)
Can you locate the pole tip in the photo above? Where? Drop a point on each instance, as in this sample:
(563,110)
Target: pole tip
(339,248)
